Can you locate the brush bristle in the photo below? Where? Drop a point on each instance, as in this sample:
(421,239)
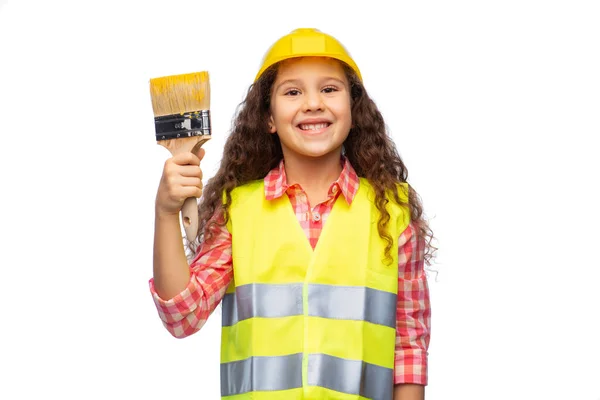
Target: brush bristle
(177,94)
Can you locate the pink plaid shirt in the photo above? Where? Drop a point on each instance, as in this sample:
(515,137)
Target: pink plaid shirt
(212,271)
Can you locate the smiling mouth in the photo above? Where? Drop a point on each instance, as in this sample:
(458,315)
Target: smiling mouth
(314,127)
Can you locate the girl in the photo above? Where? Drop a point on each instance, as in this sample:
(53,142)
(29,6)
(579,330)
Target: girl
(310,236)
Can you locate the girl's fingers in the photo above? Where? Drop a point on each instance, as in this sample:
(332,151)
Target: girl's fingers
(186,158)
(190,171)
(191,181)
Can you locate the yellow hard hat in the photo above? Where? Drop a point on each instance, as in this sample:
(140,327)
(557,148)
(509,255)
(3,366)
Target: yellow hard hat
(306,42)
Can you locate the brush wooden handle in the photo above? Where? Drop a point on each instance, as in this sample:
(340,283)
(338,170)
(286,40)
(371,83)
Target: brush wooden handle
(189,210)
(189,217)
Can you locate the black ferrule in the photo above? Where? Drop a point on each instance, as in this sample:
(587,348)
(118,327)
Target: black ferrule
(175,126)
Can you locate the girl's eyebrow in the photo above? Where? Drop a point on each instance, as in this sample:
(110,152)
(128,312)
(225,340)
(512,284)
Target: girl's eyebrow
(333,78)
(292,81)
(297,81)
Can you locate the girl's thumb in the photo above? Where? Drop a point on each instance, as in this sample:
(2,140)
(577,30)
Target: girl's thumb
(200,153)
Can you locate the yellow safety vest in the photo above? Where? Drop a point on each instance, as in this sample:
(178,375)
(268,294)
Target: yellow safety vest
(304,324)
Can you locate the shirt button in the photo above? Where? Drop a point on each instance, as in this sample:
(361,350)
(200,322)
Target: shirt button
(334,189)
(316,217)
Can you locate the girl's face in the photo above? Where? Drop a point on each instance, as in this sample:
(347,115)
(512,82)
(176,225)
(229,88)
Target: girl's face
(311,107)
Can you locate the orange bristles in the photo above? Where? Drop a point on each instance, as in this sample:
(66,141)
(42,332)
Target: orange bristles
(178,94)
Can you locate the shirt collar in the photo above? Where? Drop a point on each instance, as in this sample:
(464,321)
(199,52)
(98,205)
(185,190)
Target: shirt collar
(347,183)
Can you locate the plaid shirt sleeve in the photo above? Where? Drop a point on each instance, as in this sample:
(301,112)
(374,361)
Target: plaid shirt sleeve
(413,314)
(211,272)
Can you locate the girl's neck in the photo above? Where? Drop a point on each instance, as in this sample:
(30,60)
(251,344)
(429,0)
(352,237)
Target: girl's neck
(315,175)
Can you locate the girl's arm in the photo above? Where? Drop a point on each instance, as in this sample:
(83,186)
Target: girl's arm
(185,295)
(408,391)
(413,316)
(181,178)
(171,269)
(209,275)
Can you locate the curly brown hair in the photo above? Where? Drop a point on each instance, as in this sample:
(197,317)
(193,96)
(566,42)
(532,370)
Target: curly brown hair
(251,152)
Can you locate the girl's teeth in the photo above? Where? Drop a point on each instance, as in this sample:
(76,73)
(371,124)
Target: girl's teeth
(313,127)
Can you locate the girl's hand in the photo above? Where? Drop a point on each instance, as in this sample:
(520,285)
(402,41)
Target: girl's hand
(181,178)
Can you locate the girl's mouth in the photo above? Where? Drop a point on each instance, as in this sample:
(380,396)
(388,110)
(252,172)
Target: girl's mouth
(314,128)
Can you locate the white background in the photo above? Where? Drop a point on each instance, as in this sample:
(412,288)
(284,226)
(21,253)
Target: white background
(494,106)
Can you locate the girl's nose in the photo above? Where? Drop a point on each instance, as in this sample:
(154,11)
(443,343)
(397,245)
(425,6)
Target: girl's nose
(313,101)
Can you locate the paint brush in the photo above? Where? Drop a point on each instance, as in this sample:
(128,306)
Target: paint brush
(181,105)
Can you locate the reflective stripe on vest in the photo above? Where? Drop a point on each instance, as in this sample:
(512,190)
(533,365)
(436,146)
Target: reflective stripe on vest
(327,301)
(261,374)
(353,377)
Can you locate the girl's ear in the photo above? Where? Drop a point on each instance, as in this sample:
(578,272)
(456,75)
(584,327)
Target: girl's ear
(272,128)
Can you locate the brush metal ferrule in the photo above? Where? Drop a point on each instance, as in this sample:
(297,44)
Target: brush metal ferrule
(196,123)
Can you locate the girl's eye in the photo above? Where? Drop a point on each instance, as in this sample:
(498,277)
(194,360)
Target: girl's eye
(292,92)
(330,89)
